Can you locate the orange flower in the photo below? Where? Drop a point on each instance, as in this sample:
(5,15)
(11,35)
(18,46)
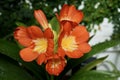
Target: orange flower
(55,65)
(41,18)
(38,45)
(69,18)
(71,14)
(74,44)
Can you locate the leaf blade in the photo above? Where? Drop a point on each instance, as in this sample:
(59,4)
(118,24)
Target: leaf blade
(12,72)
(11,50)
(95,75)
(92,64)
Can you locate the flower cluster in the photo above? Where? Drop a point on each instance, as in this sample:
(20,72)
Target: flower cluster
(49,48)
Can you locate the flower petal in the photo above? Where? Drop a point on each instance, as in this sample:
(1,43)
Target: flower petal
(81,34)
(84,47)
(50,47)
(22,36)
(75,54)
(64,11)
(55,66)
(61,52)
(28,55)
(67,27)
(41,58)
(25,41)
(70,13)
(78,16)
(41,18)
(34,32)
(48,33)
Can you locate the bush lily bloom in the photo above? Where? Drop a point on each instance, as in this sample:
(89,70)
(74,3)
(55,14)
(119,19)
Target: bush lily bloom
(55,64)
(51,47)
(75,42)
(70,14)
(38,45)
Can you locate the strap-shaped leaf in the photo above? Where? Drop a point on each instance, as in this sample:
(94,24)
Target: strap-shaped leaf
(9,71)
(92,64)
(11,50)
(95,75)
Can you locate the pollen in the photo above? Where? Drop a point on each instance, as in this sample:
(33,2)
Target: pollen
(40,45)
(55,64)
(68,43)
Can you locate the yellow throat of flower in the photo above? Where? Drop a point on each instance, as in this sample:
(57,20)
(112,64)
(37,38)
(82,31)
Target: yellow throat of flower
(68,43)
(40,45)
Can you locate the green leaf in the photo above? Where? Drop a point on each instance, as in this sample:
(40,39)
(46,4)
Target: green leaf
(56,31)
(95,50)
(11,50)
(9,71)
(91,37)
(92,64)
(95,75)
(55,25)
(20,24)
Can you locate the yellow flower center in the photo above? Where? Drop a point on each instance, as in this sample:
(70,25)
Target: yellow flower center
(55,64)
(68,43)
(40,45)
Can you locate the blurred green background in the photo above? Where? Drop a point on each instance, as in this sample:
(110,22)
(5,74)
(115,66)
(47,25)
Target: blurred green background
(14,11)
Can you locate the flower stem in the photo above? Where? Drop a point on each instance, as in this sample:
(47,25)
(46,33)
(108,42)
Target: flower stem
(52,77)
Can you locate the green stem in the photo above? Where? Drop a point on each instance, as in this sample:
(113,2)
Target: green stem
(47,75)
(56,44)
(52,77)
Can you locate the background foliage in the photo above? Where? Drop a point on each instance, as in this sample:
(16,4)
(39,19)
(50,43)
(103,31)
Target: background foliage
(15,12)
(12,11)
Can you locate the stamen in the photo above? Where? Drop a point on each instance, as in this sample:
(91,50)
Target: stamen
(55,64)
(68,43)
(40,45)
